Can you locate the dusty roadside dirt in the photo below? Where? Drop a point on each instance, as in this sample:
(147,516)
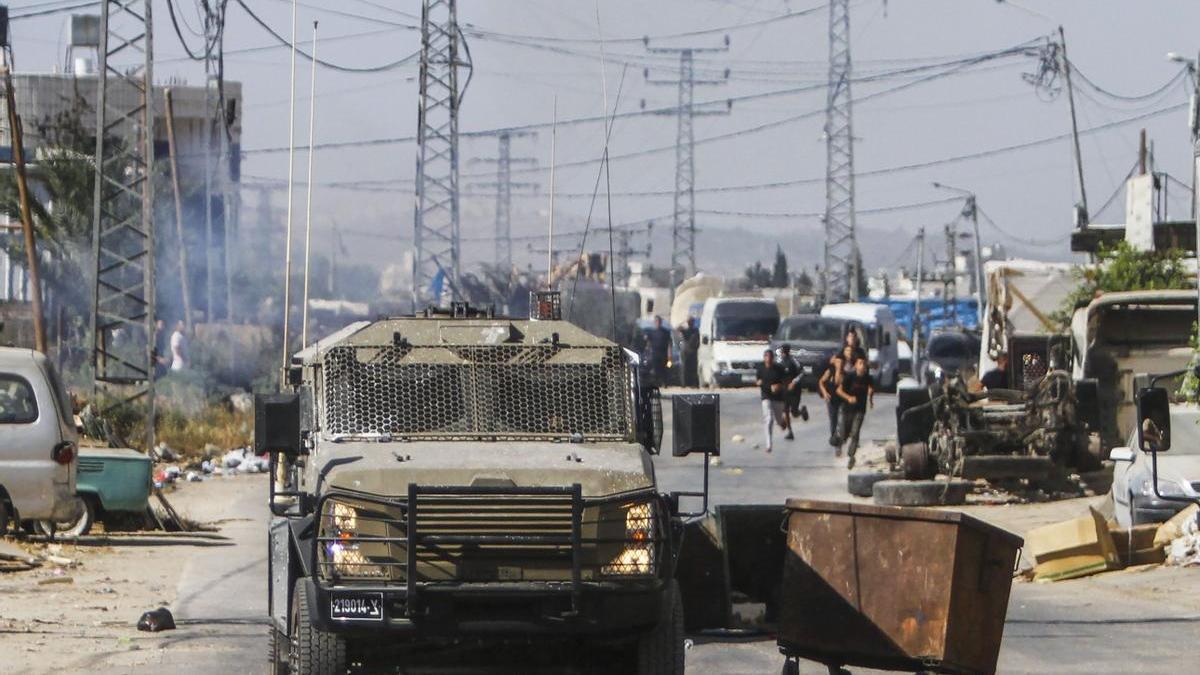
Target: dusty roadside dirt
(54,617)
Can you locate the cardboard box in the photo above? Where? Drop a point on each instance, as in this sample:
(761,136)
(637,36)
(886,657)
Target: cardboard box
(1073,548)
(1140,540)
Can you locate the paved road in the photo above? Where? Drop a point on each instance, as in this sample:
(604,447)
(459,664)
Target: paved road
(1062,628)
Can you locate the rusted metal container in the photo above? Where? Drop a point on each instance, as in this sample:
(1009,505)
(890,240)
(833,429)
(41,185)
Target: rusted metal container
(894,587)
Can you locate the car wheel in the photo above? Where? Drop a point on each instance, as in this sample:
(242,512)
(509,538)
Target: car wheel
(660,652)
(916,462)
(72,528)
(313,652)
(3,517)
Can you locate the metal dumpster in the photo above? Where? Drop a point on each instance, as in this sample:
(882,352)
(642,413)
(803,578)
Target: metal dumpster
(117,478)
(895,588)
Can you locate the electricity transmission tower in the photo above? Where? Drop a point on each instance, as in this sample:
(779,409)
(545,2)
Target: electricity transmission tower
(504,186)
(683,222)
(123,209)
(436,215)
(841,247)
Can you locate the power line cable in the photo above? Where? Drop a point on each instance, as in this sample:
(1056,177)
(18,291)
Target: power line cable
(1015,238)
(345,69)
(195,56)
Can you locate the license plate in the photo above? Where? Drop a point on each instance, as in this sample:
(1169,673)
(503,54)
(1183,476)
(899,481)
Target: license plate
(356,606)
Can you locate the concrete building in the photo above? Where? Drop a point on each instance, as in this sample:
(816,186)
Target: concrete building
(45,99)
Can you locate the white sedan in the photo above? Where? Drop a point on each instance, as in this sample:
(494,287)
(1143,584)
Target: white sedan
(1178,473)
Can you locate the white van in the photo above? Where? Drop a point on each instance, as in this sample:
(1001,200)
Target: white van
(734,333)
(879,324)
(37,441)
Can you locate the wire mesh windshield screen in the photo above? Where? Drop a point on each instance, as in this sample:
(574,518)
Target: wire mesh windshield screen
(494,391)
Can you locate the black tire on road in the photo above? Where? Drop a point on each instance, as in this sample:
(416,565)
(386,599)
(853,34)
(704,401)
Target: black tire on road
(660,651)
(3,517)
(921,492)
(313,652)
(916,461)
(861,483)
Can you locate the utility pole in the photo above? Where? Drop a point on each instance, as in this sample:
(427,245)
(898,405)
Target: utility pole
(173,156)
(18,151)
(436,214)
(504,186)
(624,251)
(683,220)
(917,323)
(971,210)
(1082,217)
(123,209)
(950,272)
(841,246)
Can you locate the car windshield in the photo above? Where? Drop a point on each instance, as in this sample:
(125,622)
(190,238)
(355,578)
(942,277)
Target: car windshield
(812,329)
(746,321)
(17,402)
(952,347)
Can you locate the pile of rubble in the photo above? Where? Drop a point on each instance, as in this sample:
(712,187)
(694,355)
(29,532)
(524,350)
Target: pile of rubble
(213,462)
(1092,544)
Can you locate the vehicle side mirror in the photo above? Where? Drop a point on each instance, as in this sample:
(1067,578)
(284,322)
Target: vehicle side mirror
(1121,454)
(704,340)
(277,424)
(696,424)
(1154,419)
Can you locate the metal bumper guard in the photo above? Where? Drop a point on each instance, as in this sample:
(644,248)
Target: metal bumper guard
(438,604)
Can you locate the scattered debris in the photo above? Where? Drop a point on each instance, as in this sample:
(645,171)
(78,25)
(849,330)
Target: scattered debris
(1072,548)
(1184,531)
(9,552)
(738,438)
(156,620)
(56,580)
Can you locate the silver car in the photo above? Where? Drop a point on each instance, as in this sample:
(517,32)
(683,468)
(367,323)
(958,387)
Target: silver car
(1178,473)
(37,441)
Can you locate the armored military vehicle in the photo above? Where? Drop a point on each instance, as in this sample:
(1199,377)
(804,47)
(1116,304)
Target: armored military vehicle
(457,478)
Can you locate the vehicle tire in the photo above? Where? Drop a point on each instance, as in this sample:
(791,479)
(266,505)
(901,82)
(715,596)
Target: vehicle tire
(313,652)
(921,492)
(660,652)
(862,483)
(3,517)
(916,462)
(73,528)
(278,650)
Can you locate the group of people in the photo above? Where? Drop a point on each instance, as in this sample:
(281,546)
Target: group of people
(848,389)
(779,385)
(657,345)
(846,385)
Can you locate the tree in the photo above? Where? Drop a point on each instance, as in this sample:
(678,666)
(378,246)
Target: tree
(1124,268)
(779,273)
(804,283)
(759,276)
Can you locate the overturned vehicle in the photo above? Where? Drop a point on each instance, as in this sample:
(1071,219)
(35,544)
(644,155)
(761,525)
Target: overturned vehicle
(463,481)
(1033,432)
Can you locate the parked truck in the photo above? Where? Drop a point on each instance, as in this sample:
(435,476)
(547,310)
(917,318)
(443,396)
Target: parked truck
(461,478)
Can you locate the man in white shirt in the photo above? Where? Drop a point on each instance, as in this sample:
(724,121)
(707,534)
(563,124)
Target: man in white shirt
(179,346)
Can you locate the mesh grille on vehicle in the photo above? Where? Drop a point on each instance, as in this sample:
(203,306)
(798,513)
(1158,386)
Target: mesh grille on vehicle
(488,391)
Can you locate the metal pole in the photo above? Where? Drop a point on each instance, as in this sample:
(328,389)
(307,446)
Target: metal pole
(173,156)
(1066,67)
(916,325)
(31,257)
(979,280)
(312,125)
(287,254)
(553,163)
(209,105)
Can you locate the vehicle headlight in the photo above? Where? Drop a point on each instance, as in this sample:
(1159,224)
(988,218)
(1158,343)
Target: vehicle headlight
(1166,488)
(637,555)
(356,540)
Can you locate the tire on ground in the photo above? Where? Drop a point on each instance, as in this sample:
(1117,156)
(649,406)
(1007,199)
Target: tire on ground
(4,516)
(317,652)
(861,483)
(660,651)
(917,462)
(921,492)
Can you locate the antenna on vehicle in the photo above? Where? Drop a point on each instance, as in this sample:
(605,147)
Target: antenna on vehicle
(607,174)
(553,164)
(287,254)
(312,125)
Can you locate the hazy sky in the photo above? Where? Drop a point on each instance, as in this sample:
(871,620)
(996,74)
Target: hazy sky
(526,52)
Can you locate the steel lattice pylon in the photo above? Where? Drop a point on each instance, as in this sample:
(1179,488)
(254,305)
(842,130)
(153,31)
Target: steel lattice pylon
(123,208)
(436,215)
(504,186)
(841,247)
(683,220)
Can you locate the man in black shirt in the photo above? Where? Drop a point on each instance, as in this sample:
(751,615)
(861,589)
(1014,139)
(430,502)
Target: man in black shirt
(857,391)
(689,339)
(658,339)
(997,378)
(771,382)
